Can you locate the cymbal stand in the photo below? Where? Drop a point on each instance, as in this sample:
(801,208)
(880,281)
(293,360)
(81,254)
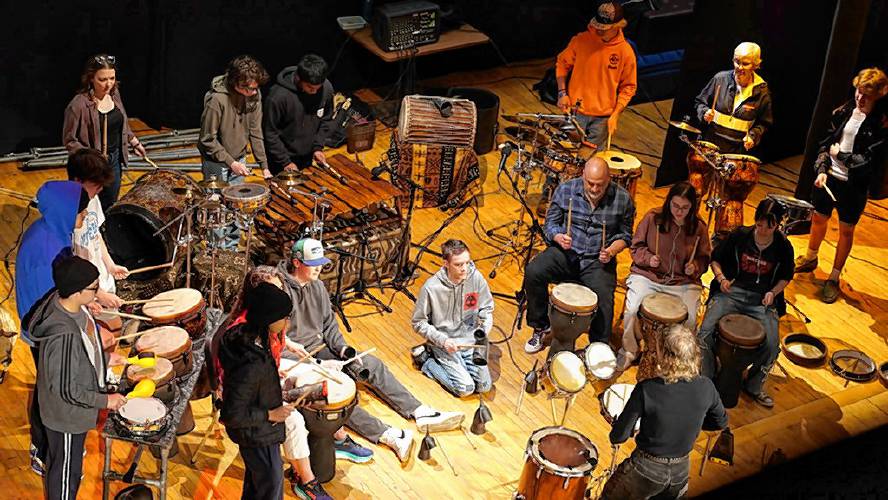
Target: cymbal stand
(316,228)
(337,301)
(715,188)
(189,236)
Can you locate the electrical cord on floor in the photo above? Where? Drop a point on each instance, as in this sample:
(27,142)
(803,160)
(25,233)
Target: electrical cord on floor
(15,245)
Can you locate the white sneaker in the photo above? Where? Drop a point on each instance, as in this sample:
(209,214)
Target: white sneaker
(437,421)
(535,342)
(401,441)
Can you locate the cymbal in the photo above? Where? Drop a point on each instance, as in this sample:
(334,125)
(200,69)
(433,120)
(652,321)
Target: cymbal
(526,135)
(184,190)
(685,126)
(290,178)
(213,183)
(619,161)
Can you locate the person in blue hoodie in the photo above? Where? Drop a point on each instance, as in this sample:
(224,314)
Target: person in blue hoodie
(62,205)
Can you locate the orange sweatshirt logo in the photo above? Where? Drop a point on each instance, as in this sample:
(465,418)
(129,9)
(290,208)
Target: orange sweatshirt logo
(613,61)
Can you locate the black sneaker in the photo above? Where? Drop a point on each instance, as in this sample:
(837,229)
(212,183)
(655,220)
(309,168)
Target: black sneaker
(420,354)
(311,490)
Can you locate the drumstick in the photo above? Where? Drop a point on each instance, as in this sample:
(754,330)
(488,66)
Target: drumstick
(469,346)
(603,235)
(570,205)
(130,336)
(608,141)
(657,243)
(105,136)
(150,162)
(146,301)
(829,193)
(694,250)
(715,97)
(327,373)
(359,356)
(125,315)
(308,356)
(151,268)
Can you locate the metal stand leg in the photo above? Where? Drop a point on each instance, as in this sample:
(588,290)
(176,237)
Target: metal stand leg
(106,471)
(210,429)
(164,463)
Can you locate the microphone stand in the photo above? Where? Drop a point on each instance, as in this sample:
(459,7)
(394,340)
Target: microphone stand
(338,299)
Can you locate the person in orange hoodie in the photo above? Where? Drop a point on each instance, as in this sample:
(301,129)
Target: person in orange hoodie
(602,69)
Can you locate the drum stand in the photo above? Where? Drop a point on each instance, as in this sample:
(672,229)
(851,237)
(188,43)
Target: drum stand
(715,188)
(338,299)
(598,482)
(189,236)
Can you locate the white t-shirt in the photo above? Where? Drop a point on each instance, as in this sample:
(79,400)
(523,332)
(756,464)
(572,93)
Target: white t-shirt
(846,144)
(88,241)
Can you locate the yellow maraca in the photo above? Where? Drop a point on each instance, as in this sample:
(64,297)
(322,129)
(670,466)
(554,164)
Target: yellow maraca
(143,359)
(143,389)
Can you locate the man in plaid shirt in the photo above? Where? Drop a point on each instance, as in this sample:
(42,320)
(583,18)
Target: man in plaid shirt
(600,211)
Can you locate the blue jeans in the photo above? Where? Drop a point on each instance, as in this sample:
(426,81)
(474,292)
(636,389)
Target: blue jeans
(641,476)
(456,372)
(108,195)
(595,127)
(226,238)
(741,301)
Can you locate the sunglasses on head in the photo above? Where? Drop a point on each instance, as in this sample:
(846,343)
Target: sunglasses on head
(105,59)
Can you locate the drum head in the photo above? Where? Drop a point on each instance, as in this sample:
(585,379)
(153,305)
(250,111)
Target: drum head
(853,365)
(619,161)
(706,145)
(742,158)
(789,201)
(563,452)
(741,330)
(566,371)
(601,362)
(143,410)
(244,192)
(574,298)
(178,301)
(340,391)
(664,307)
(160,373)
(164,341)
(614,399)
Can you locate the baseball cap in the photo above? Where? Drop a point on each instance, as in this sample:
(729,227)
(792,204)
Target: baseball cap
(609,15)
(310,252)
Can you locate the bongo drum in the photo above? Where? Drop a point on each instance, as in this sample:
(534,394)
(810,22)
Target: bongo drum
(563,375)
(322,419)
(739,337)
(163,375)
(142,417)
(184,307)
(613,400)
(601,362)
(558,464)
(571,308)
(170,342)
(699,170)
(656,313)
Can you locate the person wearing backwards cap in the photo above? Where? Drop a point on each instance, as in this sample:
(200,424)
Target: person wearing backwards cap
(71,370)
(63,206)
(312,324)
(602,69)
(252,402)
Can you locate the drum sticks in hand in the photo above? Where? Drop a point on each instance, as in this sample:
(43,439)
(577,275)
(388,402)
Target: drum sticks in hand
(570,205)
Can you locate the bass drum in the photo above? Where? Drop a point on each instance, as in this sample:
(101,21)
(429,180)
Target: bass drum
(131,223)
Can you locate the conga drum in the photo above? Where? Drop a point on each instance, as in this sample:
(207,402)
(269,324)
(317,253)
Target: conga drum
(699,170)
(739,337)
(322,420)
(183,307)
(744,175)
(558,463)
(563,375)
(571,308)
(657,312)
(170,342)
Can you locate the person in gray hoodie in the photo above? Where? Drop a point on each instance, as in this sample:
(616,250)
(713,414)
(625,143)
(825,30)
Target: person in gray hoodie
(71,370)
(297,115)
(451,306)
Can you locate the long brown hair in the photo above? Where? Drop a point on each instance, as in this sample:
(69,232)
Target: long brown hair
(92,66)
(664,218)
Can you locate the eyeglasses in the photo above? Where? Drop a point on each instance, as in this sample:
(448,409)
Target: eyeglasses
(105,59)
(92,288)
(248,89)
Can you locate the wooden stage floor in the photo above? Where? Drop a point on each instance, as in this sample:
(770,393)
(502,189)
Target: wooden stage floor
(813,407)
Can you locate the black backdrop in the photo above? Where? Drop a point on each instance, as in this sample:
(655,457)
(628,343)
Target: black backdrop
(168,51)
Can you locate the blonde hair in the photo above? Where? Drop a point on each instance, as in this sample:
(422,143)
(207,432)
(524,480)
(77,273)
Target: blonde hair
(750,49)
(871,81)
(681,355)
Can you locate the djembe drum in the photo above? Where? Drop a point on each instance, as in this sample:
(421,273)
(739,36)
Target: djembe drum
(571,308)
(739,337)
(657,312)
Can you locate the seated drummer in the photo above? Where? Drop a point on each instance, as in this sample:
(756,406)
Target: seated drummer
(580,255)
(661,250)
(297,115)
(672,408)
(446,326)
(252,400)
(71,369)
(752,267)
(312,324)
(295,446)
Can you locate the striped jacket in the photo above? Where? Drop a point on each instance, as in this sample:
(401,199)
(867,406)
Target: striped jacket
(68,386)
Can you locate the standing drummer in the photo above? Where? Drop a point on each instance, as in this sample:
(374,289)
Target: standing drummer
(670,251)
(297,115)
(71,369)
(751,267)
(601,214)
(672,409)
(232,119)
(742,112)
(602,69)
